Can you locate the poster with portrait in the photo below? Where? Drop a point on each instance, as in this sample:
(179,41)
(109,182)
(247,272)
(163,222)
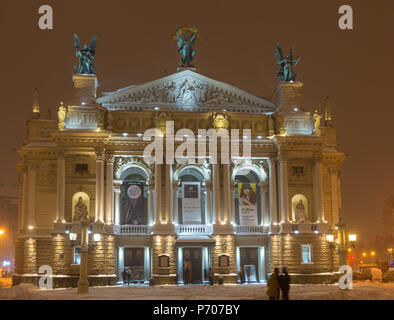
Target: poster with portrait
(134,206)
(191,203)
(247,204)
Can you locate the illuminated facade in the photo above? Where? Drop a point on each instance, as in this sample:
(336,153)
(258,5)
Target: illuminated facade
(91,161)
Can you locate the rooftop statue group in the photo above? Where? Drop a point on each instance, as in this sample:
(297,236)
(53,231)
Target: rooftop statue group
(85,54)
(186,38)
(286,64)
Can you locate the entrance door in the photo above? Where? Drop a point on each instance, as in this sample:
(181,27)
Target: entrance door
(192,265)
(249,265)
(134,265)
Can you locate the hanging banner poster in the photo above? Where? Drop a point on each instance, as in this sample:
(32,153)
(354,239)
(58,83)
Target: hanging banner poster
(191,203)
(135,204)
(247,204)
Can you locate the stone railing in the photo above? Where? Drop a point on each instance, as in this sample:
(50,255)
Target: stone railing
(132,229)
(250,229)
(193,229)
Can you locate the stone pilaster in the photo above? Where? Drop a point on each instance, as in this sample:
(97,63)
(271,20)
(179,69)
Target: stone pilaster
(61,187)
(318,190)
(30,256)
(31,212)
(117,201)
(164,246)
(109,193)
(225,244)
(273,193)
(216,216)
(99,216)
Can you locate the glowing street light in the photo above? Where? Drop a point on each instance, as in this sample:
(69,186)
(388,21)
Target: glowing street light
(364,254)
(352,237)
(1,232)
(373,253)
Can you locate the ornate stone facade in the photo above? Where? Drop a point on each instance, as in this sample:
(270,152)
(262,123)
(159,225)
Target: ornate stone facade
(99,152)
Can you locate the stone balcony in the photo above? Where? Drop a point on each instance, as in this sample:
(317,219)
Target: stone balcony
(250,230)
(194,230)
(127,230)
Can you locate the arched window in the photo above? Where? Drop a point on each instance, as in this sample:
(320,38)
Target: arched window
(134,197)
(191,197)
(299,208)
(247,198)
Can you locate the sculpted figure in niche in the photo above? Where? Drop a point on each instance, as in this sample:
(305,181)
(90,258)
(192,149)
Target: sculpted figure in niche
(80,211)
(61,116)
(300,213)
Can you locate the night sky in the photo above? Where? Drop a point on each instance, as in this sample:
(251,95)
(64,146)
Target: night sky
(355,68)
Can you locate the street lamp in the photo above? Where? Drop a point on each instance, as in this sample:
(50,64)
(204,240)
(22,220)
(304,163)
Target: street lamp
(1,232)
(352,237)
(83,283)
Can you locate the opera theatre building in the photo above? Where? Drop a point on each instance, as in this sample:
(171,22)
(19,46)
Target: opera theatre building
(206,207)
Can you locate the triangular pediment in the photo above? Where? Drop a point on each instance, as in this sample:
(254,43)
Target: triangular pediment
(186,90)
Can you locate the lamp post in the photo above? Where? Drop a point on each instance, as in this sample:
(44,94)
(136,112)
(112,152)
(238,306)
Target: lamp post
(330,240)
(341,241)
(83,283)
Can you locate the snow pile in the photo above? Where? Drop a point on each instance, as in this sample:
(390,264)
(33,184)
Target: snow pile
(365,290)
(20,292)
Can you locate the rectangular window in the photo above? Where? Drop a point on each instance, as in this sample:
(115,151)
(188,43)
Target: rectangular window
(77,255)
(81,167)
(298,171)
(306,252)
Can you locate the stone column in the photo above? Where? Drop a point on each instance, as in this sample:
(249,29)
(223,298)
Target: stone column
(226,194)
(99,215)
(151,188)
(31,203)
(158,206)
(216,217)
(22,197)
(175,202)
(208,206)
(61,188)
(232,201)
(334,195)
(318,190)
(109,193)
(284,190)
(272,191)
(168,194)
(263,201)
(117,203)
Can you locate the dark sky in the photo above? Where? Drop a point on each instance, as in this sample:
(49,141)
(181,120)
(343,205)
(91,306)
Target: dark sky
(355,68)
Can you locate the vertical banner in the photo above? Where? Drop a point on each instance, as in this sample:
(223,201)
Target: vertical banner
(135,204)
(191,203)
(247,204)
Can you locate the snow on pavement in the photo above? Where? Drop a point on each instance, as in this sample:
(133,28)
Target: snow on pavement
(362,291)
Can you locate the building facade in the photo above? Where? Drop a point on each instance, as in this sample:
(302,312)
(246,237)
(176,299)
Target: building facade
(188,220)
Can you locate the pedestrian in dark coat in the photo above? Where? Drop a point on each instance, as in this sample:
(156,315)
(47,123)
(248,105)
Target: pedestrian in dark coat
(284,283)
(273,285)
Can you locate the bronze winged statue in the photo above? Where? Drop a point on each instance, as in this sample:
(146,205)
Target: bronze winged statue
(85,54)
(186,38)
(286,64)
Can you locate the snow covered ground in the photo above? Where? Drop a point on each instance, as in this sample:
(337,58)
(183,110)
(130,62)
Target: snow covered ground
(361,291)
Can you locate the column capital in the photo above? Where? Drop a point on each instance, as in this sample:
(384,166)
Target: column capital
(60,154)
(271,161)
(318,158)
(109,158)
(334,170)
(100,154)
(283,157)
(32,165)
